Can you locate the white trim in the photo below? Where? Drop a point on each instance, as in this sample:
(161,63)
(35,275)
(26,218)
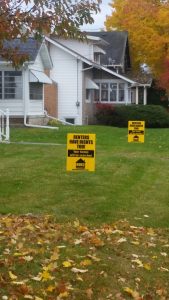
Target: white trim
(145,96)
(87,61)
(110,81)
(43,47)
(97,39)
(137,96)
(39,76)
(68,50)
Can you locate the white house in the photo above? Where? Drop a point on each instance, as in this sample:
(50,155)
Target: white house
(92,71)
(22,90)
(68,77)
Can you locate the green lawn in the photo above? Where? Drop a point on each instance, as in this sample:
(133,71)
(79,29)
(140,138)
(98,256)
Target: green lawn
(130,181)
(90,235)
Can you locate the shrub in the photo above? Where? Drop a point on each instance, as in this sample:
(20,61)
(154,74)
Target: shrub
(155,116)
(54,122)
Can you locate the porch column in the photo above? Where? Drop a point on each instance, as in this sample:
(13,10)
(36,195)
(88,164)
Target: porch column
(136,95)
(126,94)
(145,96)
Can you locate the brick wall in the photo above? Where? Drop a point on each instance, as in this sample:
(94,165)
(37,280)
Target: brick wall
(51,98)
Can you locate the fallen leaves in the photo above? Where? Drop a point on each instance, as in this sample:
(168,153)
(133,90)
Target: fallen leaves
(43,260)
(75,270)
(67,264)
(12,276)
(86,262)
(134,294)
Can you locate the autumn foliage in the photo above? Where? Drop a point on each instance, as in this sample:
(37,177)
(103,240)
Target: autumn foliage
(19,19)
(163,81)
(147,22)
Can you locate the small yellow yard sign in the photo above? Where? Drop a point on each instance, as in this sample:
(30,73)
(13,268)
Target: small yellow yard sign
(81,152)
(136,131)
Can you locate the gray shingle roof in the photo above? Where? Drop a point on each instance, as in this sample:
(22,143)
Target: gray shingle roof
(29,47)
(115,50)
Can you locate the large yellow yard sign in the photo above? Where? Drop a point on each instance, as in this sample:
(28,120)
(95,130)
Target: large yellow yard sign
(81,152)
(136,130)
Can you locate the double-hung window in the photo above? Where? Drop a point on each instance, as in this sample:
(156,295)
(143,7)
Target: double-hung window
(121,92)
(36,90)
(105,92)
(11,85)
(113,92)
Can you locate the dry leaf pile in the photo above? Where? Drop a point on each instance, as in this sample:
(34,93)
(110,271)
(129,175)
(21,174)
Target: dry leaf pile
(41,259)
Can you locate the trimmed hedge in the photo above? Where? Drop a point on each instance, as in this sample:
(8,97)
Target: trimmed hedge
(155,116)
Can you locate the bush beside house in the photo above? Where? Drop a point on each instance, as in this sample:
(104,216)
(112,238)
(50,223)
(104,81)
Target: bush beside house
(157,96)
(155,116)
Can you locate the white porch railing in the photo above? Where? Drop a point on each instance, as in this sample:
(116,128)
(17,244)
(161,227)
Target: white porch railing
(4,126)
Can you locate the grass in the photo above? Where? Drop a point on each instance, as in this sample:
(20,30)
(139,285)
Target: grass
(130,181)
(84,235)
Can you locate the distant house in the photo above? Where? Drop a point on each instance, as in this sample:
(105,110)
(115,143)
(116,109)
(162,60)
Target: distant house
(97,69)
(22,90)
(117,58)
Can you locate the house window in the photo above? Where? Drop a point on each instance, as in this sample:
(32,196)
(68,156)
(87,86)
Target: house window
(70,120)
(89,95)
(113,92)
(121,92)
(10,85)
(104,92)
(36,90)
(97,94)
(97,57)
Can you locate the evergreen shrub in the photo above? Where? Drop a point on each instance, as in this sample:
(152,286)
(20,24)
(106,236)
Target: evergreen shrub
(155,116)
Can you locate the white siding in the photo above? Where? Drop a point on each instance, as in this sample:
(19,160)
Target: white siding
(35,107)
(67,72)
(16,108)
(38,65)
(83,48)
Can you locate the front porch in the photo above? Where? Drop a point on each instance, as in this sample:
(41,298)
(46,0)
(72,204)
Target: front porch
(119,92)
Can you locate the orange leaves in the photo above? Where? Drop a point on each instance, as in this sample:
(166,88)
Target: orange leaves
(147,22)
(96,241)
(86,262)
(42,17)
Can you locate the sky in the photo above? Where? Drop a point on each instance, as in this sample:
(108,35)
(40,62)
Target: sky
(100,18)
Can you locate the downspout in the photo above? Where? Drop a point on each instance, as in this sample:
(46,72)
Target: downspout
(77,88)
(25,106)
(77,82)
